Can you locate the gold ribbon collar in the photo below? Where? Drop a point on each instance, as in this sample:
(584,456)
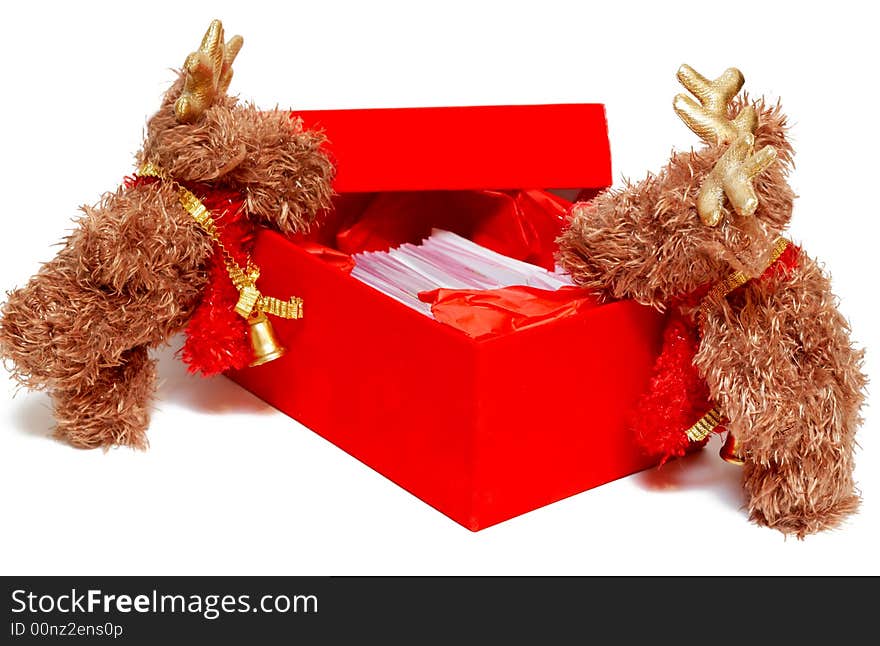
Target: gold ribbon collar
(251,303)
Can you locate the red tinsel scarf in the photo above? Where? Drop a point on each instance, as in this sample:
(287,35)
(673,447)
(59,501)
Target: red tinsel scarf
(677,397)
(217,337)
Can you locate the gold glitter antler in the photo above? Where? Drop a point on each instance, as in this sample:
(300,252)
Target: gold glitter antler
(733,173)
(708,118)
(208,73)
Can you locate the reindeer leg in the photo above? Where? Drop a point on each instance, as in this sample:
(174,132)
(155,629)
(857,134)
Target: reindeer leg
(796,424)
(780,364)
(804,495)
(113,409)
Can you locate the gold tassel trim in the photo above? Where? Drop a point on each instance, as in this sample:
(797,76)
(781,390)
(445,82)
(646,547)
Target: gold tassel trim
(704,426)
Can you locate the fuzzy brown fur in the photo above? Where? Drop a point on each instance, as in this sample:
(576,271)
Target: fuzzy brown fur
(775,354)
(132,272)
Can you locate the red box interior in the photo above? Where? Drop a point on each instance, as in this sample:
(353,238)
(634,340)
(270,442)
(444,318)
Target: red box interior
(481,429)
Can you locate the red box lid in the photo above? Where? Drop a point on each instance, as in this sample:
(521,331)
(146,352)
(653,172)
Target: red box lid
(557,146)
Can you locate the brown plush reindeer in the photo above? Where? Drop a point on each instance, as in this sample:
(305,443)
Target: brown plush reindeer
(138,265)
(755,342)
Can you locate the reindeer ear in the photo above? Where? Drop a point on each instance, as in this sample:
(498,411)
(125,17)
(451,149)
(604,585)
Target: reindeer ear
(208,72)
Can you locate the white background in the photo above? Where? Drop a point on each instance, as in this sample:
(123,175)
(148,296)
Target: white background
(230,486)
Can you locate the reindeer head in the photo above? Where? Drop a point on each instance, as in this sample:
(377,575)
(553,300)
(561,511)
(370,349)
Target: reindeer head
(743,201)
(707,212)
(201,135)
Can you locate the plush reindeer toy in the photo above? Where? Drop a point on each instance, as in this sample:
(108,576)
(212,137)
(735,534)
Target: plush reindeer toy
(754,343)
(167,251)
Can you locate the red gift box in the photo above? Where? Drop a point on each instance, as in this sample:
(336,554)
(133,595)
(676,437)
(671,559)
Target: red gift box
(483,429)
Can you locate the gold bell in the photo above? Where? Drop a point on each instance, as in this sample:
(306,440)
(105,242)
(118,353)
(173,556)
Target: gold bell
(732,450)
(263,340)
